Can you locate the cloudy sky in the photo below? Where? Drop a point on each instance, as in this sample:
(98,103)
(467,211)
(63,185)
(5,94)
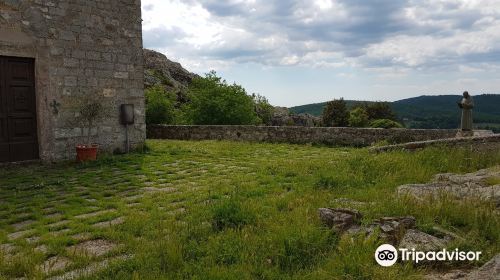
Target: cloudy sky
(303,51)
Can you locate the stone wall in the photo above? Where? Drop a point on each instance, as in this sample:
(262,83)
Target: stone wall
(299,135)
(81,47)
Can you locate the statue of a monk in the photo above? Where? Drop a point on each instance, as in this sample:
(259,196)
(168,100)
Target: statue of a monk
(466,105)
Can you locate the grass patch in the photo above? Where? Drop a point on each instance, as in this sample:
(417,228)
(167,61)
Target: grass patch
(231,214)
(233,210)
(493,181)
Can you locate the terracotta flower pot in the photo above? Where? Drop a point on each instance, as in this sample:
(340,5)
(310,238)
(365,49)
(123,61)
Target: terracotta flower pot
(86,153)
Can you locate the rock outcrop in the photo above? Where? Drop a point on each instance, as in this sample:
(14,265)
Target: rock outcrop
(422,241)
(391,229)
(159,70)
(340,219)
(489,271)
(398,231)
(483,184)
(283,117)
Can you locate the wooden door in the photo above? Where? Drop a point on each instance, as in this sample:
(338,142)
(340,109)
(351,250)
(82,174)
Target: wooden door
(18,124)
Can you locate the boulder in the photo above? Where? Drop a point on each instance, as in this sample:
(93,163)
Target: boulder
(391,229)
(340,219)
(455,274)
(283,117)
(421,241)
(489,271)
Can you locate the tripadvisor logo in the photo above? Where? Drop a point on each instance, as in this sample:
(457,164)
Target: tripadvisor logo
(387,255)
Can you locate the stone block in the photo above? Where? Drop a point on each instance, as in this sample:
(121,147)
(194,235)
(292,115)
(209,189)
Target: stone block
(71,62)
(67,35)
(121,75)
(70,81)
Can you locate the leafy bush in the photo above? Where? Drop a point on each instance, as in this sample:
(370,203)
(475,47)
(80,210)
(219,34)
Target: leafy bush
(263,109)
(159,106)
(230,214)
(358,117)
(385,123)
(215,102)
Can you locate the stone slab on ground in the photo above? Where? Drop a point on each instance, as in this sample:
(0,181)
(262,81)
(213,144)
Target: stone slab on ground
(93,248)
(95,214)
(7,249)
(106,224)
(18,234)
(89,270)
(161,190)
(42,249)
(54,264)
(22,225)
(58,224)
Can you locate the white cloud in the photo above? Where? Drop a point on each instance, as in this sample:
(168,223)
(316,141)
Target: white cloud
(385,38)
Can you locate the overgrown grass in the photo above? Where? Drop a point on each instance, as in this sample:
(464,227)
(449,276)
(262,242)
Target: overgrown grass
(250,210)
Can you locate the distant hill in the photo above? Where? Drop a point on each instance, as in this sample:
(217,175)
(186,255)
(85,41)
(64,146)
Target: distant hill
(432,111)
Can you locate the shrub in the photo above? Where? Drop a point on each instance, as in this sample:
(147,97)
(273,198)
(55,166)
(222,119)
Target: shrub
(230,214)
(358,117)
(215,102)
(159,106)
(263,109)
(385,123)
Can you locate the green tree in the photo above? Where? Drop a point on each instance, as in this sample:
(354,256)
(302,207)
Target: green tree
(263,109)
(335,113)
(379,110)
(358,117)
(159,106)
(215,102)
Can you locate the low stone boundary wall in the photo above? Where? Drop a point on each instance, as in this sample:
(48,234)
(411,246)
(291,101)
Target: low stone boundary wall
(478,143)
(342,136)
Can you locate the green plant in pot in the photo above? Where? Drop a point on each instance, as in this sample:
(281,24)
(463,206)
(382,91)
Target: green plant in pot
(89,112)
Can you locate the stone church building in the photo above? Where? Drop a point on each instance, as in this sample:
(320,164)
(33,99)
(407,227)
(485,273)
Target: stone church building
(56,51)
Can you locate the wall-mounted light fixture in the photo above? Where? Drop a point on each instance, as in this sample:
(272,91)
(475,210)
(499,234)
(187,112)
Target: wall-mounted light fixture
(127,118)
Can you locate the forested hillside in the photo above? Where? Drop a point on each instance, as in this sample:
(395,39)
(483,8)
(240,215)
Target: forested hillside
(432,111)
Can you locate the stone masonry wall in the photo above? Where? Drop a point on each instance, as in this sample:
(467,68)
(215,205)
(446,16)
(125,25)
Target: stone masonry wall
(81,47)
(322,135)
